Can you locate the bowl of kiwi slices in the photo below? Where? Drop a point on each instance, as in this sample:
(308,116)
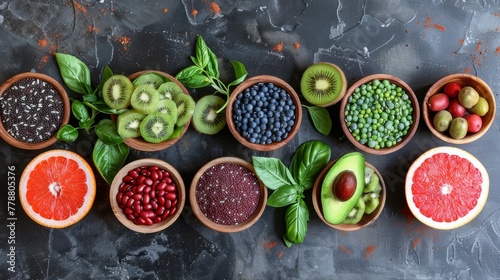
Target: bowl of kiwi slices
(264,113)
(379,114)
(155,108)
(357,212)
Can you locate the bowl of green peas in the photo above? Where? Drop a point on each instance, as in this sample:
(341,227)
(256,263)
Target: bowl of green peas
(379,114)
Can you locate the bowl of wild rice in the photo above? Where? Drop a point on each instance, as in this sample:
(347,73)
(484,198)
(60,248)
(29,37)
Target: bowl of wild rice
(33,107)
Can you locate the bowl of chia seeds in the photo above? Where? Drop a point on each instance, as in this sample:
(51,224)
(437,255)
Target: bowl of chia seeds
(379,114)
(33,107)
(264,113)
(226,195)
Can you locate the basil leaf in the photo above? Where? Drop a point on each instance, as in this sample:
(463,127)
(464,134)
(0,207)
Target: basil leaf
(202,52)
(188,72)
(79,111)
(288,243)
(108,159)
(308,161)
(196,81)
(213,64)
(283,196)
(272,172)
(90,97)
(67,134)
(296,217)
(103,108)
(74,72)
(239,72)
(321,119)
(86,123)
(106,74)
(107,132)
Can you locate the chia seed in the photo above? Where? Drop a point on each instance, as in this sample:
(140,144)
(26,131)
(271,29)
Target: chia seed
(228,194)
(31,110)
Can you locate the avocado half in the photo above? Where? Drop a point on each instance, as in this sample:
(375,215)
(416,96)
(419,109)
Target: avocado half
(334,210)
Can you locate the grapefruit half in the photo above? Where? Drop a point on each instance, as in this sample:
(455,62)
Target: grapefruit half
(446,187)
(57,188)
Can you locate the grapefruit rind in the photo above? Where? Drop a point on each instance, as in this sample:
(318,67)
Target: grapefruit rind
(481,201)
(88,197)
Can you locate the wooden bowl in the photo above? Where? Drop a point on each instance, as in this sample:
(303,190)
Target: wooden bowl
(464,80)
(227,228)
(415,114)
(65,117)
(141,144)
(367,218)
(241,88)
(115,186)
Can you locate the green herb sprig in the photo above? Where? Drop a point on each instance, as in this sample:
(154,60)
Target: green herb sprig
(289,184)
(109,152)
(320,118)
(205,72)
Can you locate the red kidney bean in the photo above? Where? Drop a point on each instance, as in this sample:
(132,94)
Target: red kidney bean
(148,181)
(165,214)
(160,210)
(168,204)
(147,195)
(170,188)
(133,174)
(161,186)
(170,196)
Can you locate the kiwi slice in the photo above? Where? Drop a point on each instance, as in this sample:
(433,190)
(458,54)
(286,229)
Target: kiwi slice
(169,90)
(205,117)
(149,78)
(185,108)
(145,99)
(371,200)
(356,213)
(372,181)
(129,123)
(323,84)
(168,106)
(157,127)
(116,91)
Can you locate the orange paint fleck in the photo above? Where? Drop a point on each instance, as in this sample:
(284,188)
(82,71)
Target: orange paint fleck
(215,8)
(429,24)
(467,70)
(165,10)
(497,51)
(80,7)
(270,244)
(91,28)
(496,14)
(415,243)
(296,45)
(462,41)
(42,43)
(125,41)
(478,46)
(280,255)
(369,250)
(347,251)
(194,12)
(279,47)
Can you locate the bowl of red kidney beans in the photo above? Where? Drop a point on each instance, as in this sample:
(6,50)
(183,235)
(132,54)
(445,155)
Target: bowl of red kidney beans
(147,195)
(226,195)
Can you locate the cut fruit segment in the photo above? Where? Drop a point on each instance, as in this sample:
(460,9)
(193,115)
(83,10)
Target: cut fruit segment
(446,187)
(323,84)
(206,120)
(57,188)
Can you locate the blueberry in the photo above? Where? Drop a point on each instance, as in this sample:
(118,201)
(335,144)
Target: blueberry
(263,120)
(289,113)
(260,114)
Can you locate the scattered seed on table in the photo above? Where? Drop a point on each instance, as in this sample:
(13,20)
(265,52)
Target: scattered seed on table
(31,110)
(228,194)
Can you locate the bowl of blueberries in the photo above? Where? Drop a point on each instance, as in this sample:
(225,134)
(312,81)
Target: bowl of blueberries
(264,113)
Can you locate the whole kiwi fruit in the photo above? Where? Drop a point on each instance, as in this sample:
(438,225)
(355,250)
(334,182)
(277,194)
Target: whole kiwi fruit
(323,84)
